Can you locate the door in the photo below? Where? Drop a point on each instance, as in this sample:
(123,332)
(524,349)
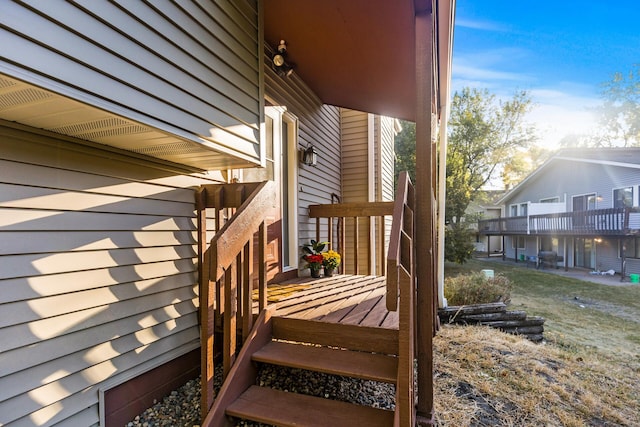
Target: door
(280,167)
(584,253)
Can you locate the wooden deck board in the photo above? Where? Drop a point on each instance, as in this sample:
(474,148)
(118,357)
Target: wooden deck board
(347,299)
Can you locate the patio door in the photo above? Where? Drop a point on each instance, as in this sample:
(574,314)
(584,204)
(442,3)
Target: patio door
(584,253)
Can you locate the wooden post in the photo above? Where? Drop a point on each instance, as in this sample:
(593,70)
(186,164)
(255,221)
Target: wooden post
(262,266)
(230,310)
(424,210)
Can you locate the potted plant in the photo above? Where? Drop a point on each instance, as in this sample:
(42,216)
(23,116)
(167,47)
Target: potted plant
(313,256)
(330,261)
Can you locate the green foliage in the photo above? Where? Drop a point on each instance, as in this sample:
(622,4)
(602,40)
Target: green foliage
(405,149)
(476,288)
(314,248)
(458,243)
(619,115)
(484,134)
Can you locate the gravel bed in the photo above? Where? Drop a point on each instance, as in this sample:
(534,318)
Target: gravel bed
(181,408)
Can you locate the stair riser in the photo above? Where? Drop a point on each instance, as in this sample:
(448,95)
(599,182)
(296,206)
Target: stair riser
(352,337)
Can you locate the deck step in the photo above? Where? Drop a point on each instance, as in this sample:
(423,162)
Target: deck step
(269,406)
(356,364)
(352,337)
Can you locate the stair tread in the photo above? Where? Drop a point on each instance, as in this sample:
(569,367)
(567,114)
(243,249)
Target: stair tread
(284,409)
(378,367)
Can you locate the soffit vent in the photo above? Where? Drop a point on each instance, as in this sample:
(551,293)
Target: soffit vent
(164,150)
(6,83)
(100,129)
(20,97)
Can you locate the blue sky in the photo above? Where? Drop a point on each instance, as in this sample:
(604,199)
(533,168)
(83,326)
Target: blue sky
(560,51)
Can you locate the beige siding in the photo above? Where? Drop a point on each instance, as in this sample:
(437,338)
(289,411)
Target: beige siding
(386,162)
(319,125)
(97,274)
(189,68)
(357,166)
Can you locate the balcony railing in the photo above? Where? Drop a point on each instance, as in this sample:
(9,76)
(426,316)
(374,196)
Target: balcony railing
(614,222)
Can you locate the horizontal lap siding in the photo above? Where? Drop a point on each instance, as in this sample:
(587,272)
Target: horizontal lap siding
(190,68)
(97,274)
(356,185)
(318,125)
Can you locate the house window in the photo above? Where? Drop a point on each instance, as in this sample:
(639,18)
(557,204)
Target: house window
(524,209)
(623,197)
(513,210)
(519,240)
(632,248)
(586,202)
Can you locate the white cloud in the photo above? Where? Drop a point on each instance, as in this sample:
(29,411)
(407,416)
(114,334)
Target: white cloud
(479,25)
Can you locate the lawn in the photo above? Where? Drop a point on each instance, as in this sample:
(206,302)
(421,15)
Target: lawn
(578,313)
(584,374)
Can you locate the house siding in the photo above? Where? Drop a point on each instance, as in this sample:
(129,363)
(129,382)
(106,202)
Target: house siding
(318,126)
(191,68)
(358,157)
(97,271)
(568,178)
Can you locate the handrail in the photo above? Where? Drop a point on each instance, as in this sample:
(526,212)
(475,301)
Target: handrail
(401,286)
(353,213)
(226,273)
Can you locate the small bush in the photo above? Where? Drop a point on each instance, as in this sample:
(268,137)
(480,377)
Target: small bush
(476,288)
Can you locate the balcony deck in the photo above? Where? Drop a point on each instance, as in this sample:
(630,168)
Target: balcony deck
(600,222)
(345,299)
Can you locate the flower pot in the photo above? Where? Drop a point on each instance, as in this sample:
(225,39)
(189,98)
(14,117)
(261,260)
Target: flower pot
(315,272)
(328,272)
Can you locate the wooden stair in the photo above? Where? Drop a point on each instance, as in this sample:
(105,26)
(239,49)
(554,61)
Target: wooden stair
(346,350)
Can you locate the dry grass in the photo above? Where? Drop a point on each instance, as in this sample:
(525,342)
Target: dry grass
(586,374)
(484,377)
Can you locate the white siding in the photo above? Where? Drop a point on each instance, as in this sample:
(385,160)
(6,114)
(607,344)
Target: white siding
(97,274)
(189,68)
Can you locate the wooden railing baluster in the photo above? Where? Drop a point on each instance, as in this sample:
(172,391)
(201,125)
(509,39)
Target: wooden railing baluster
(226,275)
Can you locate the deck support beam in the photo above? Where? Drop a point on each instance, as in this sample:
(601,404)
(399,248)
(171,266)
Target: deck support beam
(424,232)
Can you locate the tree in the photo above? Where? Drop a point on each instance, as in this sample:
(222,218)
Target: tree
(484,134)
(521,164)
(405,149)
(619,114)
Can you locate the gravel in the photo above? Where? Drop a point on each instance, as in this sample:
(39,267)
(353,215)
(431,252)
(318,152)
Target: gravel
(181,408)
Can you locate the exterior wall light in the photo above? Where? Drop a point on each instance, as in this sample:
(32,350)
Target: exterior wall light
(310,156)
(280,64)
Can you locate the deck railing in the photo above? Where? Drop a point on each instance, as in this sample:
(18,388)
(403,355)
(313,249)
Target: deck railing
(348,229)
(228,269)
(614,221)
(401,295)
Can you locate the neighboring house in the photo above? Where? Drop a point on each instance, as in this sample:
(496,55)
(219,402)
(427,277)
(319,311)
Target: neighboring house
(581,204)
(113,114)
(486,208)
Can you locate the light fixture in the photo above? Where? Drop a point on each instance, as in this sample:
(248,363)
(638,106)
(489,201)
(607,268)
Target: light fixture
(280,64)
(310,156)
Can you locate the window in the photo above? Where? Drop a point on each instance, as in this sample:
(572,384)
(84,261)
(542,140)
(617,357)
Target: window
(513,210)
(623,197)
(586,202)
(519,240)
(632,248)
(524,209)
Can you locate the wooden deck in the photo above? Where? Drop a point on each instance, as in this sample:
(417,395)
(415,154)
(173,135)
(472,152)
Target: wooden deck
(345,299)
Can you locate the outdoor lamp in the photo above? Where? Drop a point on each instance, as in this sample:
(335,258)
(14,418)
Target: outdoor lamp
(310,156)
(280,64)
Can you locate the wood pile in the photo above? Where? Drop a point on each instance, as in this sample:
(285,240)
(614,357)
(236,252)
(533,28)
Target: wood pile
(495,315)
